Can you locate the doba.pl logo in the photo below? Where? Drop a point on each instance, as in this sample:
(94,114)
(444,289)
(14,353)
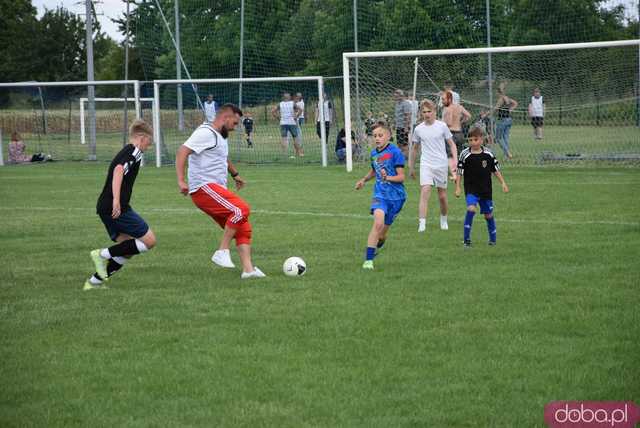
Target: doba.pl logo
(591,414)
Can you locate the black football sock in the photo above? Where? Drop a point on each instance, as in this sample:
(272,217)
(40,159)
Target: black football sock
(113,266)
(124,248)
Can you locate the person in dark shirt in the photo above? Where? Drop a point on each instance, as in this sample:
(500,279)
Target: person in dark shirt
(476,164)
(247,122)
(504,107)
(341,145)
(124,226)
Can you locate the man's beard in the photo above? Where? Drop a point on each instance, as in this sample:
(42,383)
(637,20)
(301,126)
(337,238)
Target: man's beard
(224,132)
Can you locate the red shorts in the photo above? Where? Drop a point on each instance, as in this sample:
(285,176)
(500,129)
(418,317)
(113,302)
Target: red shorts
(225,208)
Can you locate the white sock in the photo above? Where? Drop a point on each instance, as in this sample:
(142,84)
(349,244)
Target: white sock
(120,260)
(140,246)
(443,218)
(422,222)
(105,254)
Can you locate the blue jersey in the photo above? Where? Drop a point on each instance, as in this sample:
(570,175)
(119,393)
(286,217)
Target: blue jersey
(388,158)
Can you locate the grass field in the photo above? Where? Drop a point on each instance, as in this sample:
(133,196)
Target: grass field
(436,336)
(559,140)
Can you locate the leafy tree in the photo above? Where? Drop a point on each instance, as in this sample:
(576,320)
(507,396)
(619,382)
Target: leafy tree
(17,43)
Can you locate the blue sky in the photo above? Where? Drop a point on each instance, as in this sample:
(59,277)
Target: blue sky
(105,8)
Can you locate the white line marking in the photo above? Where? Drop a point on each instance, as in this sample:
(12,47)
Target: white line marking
(194,210)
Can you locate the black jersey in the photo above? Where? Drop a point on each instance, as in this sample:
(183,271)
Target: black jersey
(476,169)
(129,157)
(248,124)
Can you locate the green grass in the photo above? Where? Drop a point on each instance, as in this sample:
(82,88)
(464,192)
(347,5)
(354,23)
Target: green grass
(559,140)
(436,336)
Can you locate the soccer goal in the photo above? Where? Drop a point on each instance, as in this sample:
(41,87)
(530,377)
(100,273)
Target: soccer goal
(115,106)
(47,117)
(588,105)
(262,141)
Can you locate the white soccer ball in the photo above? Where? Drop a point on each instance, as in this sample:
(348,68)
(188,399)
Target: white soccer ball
(294,266)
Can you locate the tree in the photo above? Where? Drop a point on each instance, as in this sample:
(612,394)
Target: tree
(18,25)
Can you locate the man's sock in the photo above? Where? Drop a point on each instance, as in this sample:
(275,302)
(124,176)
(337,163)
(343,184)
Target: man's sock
(422,222)
(491,227)
(371,253)
(130,247)
(468,222)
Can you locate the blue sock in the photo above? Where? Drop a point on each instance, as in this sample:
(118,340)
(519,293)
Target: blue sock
(468,221)
(371,253)
(491,227)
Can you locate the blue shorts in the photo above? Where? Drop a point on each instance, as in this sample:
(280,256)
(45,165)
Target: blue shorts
(129,223)
(391,208)
(291,129)
(300,121)
(486,205)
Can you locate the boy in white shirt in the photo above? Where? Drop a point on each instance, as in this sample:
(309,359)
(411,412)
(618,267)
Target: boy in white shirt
(536,113)
(431,136)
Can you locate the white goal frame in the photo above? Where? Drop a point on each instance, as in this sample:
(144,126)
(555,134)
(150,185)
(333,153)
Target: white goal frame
(90,84)
(136,101)
(346,56)
(156,103)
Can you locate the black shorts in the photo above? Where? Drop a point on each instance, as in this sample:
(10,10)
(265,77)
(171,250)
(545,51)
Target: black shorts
(402,137)
(129,223)
(327,128)
(537,121)
(458,138)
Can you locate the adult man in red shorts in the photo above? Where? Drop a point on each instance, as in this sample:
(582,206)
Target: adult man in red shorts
(207,151)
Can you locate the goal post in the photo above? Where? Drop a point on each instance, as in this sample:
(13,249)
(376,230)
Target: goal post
(591,86)
(47,116)
(259,96)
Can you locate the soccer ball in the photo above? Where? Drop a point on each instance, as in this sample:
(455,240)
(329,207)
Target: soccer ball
(294,266)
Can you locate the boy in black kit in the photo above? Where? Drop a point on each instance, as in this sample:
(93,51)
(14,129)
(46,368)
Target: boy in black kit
(476,164)
(123,224)
(247,122)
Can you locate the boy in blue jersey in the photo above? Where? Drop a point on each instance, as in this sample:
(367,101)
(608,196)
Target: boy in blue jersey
(387,166)
(476,164)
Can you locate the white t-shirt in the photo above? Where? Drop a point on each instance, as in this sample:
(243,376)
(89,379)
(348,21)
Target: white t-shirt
(537,107)
(210,110)
(208,162)
(327,111)
(287,113)
(300,105)
(432,139)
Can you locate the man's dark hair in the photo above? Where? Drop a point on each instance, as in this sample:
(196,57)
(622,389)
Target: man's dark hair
(234,108)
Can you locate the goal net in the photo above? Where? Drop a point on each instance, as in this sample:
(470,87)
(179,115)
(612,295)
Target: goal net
(590,96)
(261,141)
(111,108)
(54,118)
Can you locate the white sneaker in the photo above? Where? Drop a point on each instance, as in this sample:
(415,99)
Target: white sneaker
(223,259)
(257,273)
(443,224)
